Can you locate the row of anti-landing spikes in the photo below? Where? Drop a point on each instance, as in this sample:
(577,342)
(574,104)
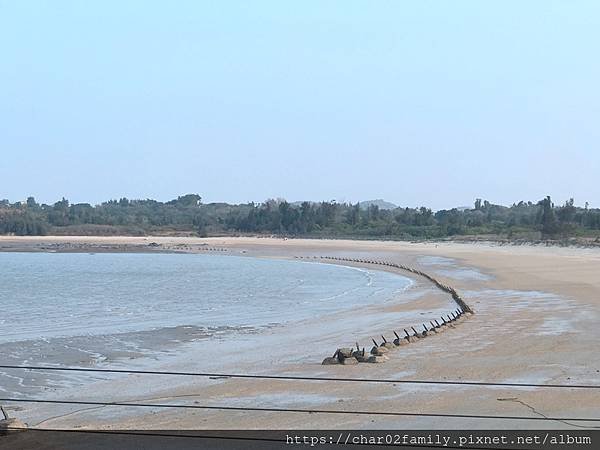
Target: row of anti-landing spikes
(378,352)
(449,289)
(452,317)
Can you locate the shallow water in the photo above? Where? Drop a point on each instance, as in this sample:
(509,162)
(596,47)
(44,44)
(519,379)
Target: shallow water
(113,309)
(55,295)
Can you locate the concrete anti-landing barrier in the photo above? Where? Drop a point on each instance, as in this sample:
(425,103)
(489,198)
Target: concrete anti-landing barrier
(380,351)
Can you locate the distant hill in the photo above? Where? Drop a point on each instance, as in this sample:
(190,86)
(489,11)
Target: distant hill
(363,205)
(379,202)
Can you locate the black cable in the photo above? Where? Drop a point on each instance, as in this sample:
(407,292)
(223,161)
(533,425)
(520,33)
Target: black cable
(294,410)
(301,378)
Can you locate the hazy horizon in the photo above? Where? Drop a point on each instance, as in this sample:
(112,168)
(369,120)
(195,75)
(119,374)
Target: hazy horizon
(423,103)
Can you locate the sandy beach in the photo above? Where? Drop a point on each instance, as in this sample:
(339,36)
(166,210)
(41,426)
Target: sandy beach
(536,315)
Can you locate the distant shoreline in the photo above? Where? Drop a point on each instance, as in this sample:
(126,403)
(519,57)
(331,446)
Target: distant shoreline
(177,244)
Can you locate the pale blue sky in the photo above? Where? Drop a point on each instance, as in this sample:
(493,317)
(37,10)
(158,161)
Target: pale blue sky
(418,102)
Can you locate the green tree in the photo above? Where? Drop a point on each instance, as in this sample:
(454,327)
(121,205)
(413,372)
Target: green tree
(547,218)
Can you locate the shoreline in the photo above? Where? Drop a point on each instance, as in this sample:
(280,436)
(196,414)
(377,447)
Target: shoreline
(566,242)
(185,333)
(182,244)
(536,315)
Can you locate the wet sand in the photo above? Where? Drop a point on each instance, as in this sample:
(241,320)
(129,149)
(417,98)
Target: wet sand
(537,310)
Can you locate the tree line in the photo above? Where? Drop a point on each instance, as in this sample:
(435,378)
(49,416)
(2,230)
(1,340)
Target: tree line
(188,215)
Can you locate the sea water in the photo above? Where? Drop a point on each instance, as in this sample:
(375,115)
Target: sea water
(107,309)
(45,295)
